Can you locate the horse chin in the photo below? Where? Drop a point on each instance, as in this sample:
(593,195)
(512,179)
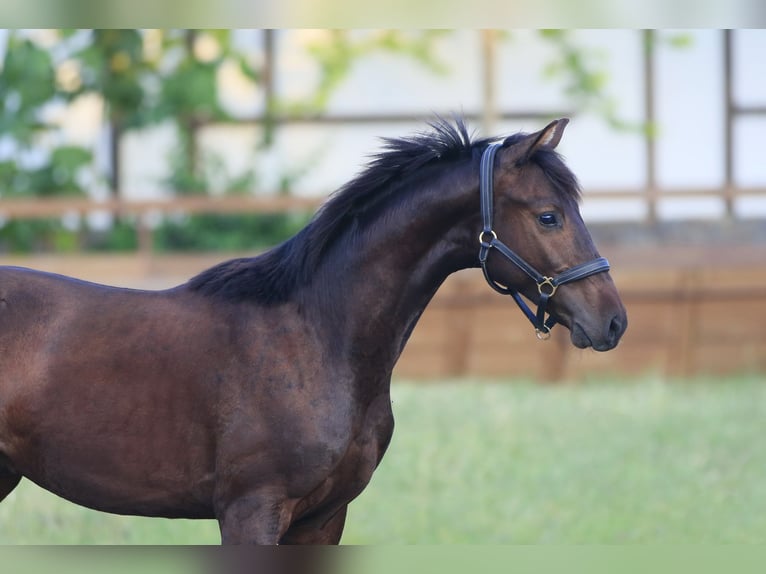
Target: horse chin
(579,337)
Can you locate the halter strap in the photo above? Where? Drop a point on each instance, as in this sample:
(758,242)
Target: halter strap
(546,286)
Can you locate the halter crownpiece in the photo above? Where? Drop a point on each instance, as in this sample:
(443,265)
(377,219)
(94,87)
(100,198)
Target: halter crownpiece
(546,286)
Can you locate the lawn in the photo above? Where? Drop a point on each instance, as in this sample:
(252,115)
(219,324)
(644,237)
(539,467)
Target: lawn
(518,463)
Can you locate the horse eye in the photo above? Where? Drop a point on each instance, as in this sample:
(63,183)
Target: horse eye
(548,219)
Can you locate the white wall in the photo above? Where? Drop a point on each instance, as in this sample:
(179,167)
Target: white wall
(689,96)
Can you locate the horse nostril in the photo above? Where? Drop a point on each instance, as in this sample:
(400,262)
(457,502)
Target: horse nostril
(615,328)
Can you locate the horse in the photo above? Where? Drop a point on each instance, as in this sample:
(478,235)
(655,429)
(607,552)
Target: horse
(257,393)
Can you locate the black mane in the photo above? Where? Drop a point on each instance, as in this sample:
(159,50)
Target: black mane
(271,277)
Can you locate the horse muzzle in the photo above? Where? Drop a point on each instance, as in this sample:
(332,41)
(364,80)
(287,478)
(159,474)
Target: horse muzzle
(601,336)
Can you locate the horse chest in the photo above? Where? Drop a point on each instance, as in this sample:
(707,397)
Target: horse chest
(370,442)
(364,450)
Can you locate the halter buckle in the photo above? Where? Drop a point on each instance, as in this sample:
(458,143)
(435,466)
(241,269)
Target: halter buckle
(551,285)
(543,335)
(481,237)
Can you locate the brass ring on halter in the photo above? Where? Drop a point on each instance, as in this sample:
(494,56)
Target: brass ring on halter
(481,237)
(549,282)
(543,335)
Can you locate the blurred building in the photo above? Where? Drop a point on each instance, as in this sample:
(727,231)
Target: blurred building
(702,92)
(706,99)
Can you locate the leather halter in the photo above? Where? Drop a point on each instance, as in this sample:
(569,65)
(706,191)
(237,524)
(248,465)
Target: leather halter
(546,286)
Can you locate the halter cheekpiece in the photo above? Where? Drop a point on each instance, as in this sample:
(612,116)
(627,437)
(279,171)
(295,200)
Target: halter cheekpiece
(546,286)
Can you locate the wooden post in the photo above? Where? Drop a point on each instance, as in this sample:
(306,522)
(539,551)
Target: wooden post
(728,64)
(555,356)
(649,117)
(145,237)
(489,100)
(460,323)
(681,356)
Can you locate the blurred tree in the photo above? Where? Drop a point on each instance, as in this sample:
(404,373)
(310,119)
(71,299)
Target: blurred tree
(27,83)
(189,96)
(147,77)
(586,76)
(31,162)
(111,64)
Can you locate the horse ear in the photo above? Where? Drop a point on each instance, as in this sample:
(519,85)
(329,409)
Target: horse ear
(547,138)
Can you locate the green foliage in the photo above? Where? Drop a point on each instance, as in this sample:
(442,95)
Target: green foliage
(27,83)
(56,177)
(122,235)
(211,232)
(189,89)
(147,77)
(143,86)
(188,96)
(27,88)
(584,76)
(192,90)
(37,235)
(112,65)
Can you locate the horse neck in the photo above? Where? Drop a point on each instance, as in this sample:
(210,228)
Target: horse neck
(379,281)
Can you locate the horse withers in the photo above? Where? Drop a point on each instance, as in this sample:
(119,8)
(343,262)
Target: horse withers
(257,393)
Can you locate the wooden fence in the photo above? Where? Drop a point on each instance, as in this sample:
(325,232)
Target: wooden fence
(144,211)
(698,320)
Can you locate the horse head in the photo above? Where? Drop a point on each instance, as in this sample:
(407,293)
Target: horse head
(530,200)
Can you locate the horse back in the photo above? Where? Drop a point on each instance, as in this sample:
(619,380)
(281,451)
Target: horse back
(99,381)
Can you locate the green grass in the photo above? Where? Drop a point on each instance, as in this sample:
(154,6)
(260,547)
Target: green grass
(586,464)
(516,463)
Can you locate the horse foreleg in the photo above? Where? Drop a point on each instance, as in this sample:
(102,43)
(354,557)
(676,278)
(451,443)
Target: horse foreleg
(253,518)
(317,530)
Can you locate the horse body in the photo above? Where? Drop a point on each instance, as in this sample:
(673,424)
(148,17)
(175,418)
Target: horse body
(258,392)
(108,397)
(97,358)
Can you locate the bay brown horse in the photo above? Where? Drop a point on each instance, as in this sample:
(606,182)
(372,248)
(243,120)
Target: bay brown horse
(257,393)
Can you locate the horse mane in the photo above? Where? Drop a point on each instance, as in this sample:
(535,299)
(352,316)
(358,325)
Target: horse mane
(271,278)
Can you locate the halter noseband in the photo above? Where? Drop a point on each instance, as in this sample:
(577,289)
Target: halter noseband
(546,286)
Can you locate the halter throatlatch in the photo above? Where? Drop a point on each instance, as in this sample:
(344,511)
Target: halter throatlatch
(546,286)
